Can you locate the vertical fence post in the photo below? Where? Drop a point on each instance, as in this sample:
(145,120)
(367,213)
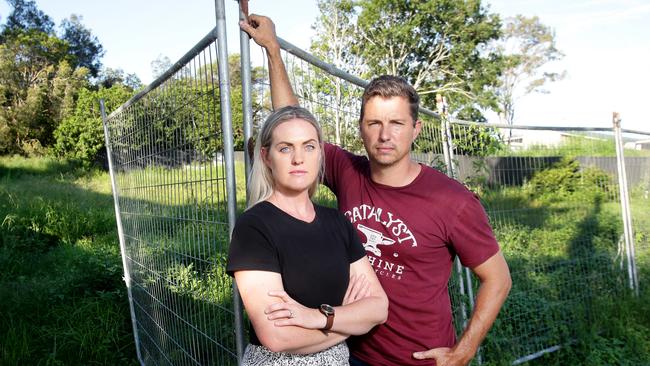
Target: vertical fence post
(120,231)
(447,152)
(228,154)
(625,205)
(246,84)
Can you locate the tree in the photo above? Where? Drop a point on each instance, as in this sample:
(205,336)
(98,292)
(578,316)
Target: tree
(527,46)
(335,29)
(40,75)
(109,77)
(161,64)
(26,16)
(81,135)
(440,46)
(36,82)
(82,44)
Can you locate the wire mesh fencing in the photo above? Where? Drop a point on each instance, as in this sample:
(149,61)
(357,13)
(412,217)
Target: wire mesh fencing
(170,172)
(553,199)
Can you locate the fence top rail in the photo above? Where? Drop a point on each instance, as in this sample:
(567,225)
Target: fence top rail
(308,57)
(528,127)
(551,128)
(638,132)
(210,37)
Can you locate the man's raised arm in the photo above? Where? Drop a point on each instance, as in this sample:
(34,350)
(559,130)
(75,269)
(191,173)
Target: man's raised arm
(262,30)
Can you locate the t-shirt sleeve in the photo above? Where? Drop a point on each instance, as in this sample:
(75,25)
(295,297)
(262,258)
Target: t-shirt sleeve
(354,247)
(251,248)
(472,236)
(335,162)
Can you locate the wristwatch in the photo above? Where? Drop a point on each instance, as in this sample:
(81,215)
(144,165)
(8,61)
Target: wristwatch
(328,311)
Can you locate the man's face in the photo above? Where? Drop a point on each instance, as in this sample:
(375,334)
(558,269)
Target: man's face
(387,130)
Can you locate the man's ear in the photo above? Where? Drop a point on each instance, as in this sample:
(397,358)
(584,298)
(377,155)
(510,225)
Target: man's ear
(417,129)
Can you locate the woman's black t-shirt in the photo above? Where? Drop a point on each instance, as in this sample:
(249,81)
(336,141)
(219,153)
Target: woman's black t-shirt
(313,258)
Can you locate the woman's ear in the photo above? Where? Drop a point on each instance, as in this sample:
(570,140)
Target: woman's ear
(264,154)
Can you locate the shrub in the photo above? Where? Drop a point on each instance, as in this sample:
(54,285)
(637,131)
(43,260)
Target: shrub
(567,180)
(81,135)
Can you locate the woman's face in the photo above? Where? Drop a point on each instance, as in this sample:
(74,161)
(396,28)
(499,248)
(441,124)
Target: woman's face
(294,156)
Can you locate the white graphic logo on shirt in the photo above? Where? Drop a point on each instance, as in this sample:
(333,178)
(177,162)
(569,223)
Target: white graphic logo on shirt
(396,233)
(374,238)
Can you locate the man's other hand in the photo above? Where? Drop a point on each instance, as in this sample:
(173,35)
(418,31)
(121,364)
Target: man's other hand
(444,356)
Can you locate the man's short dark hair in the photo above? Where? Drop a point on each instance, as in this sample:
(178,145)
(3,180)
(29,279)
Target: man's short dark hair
(387,86)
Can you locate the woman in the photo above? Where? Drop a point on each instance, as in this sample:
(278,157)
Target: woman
(301,271)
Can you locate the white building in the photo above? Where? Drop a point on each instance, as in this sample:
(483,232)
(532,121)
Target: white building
(638,145)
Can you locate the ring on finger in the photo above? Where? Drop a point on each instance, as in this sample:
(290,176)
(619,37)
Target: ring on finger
(290,314)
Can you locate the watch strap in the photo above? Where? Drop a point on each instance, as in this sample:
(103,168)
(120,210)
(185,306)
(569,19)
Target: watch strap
(330,322)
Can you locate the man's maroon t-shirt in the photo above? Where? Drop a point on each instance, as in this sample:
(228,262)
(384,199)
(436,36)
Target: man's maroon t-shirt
(411,235)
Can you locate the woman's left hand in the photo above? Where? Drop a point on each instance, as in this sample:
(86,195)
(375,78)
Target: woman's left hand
(288,312)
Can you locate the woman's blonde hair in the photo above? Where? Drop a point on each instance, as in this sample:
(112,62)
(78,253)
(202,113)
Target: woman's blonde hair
(260,182)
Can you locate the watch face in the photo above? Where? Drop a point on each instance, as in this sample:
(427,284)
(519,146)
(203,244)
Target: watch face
(327,309)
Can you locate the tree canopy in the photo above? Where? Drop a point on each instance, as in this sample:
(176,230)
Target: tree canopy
(43,74)
(527,46)
(439,46)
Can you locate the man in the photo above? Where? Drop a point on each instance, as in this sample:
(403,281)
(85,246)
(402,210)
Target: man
(413,221)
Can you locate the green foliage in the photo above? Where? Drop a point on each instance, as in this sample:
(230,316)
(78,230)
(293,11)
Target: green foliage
(565,178)
(37,86)
(81,135)
(109,77)
(470,140)
(83,45)
(40,76)
(25,16)
(439,46)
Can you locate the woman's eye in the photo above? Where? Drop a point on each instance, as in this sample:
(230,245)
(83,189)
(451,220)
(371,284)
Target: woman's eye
(285,149)
(310,147)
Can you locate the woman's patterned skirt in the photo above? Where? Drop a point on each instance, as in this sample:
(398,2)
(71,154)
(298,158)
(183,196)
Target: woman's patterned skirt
(337,355)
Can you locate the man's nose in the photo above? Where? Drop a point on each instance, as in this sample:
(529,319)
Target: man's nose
(384,134)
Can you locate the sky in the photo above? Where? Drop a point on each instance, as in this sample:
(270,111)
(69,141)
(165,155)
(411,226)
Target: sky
(606,45)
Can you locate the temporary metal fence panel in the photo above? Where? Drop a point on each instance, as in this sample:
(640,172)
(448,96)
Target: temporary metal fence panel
(552,196)
(172,162)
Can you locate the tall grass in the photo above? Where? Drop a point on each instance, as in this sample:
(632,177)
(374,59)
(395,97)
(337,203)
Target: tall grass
(62,298)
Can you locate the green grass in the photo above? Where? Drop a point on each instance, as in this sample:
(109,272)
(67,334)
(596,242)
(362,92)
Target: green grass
(63,300)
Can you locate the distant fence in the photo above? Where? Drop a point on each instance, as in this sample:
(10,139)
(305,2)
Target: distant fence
(178,185)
